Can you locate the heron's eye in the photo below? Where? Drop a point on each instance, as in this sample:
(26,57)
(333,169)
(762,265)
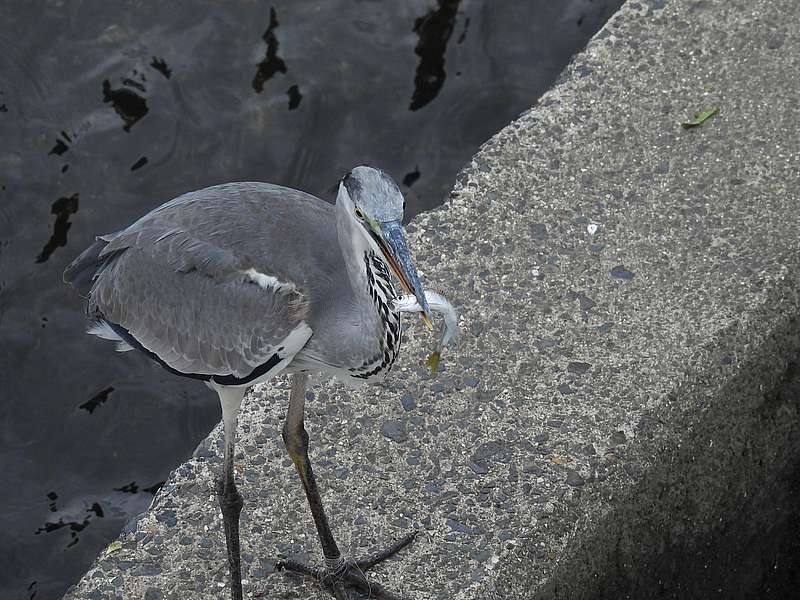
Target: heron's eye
(359,213)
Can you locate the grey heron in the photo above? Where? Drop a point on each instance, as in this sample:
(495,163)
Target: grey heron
(235,283)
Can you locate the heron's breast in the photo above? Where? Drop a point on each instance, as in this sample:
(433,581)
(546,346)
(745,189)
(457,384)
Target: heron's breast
(378,364)
(383,342)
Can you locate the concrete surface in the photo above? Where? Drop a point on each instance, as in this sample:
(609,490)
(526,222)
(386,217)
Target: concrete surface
(615,420)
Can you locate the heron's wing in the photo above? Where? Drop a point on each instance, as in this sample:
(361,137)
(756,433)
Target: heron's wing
(199,308)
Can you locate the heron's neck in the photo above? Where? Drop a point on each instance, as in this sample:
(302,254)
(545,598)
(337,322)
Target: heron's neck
(373,289)
(353,246)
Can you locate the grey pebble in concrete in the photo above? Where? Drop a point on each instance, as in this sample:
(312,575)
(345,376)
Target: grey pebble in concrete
(665,259)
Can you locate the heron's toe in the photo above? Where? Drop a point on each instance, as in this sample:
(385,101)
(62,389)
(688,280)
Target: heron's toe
(351,573)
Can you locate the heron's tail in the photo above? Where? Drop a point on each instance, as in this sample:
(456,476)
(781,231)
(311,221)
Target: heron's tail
(81,273)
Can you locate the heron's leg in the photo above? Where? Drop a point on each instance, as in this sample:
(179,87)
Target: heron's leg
(295,438)
(230,500)
(338,571)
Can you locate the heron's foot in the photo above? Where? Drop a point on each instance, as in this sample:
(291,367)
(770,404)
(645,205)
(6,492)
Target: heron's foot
(351,573)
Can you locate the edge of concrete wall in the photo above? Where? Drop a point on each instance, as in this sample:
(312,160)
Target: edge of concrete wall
(701,504)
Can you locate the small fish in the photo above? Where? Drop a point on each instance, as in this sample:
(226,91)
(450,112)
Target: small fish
(437,304)
(440,304)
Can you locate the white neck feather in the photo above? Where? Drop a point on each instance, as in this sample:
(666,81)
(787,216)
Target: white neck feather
(353,242)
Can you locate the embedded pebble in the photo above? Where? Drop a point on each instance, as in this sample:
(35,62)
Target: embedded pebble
(168,518)
(618,437)
(579,368)
(459,527)
(395,431)
(146,570)
(479,468)
(153,594)
(620,272)
(574,479)
(530,466)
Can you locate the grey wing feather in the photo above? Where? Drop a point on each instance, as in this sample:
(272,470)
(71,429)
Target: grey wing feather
(177,248)
(177,278)
(195,323)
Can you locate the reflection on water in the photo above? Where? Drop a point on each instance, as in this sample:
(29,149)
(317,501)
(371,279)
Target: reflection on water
(97,399)
(434,31)
(62,209)
(272,63)
(109,109)
(127,103)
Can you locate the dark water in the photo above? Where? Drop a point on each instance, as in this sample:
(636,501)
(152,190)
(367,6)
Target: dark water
(108,109)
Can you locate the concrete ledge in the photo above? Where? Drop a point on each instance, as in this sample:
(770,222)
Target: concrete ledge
(617,406)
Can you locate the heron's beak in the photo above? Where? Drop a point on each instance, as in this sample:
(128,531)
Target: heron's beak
(392,242)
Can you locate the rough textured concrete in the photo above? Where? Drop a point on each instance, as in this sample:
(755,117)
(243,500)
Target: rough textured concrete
(614,409)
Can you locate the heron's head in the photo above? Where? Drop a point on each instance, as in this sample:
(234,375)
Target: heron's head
(375,204)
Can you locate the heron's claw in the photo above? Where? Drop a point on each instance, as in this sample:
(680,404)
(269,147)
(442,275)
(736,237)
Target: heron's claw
(350,573)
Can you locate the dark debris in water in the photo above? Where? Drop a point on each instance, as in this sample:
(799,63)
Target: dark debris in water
(59,148)
(153,489)
(52,497)
(160,65)
(51,526)
(412,177)
(272,63)
(294,97)
(62,209)
(128,104)
(132,83)
(128,488)
(133,488)
(139,163)
(434,31)
(61,145)
(74,527)
(96,400)
(463,35)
